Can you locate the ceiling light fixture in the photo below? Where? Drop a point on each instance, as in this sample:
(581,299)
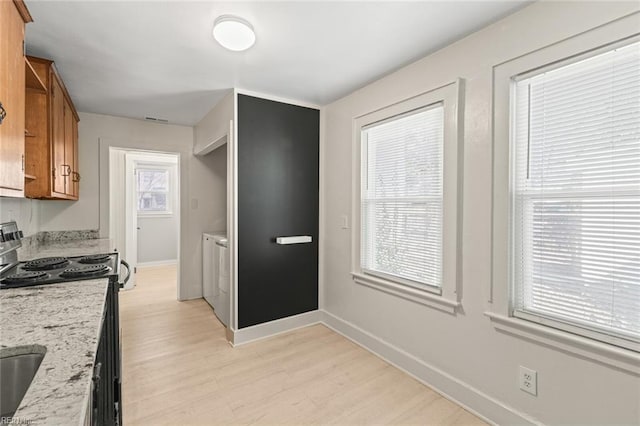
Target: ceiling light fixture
(233,33)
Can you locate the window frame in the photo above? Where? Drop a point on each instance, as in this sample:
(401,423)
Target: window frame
(586,330)
(500,296)
(445,297)
(169,170)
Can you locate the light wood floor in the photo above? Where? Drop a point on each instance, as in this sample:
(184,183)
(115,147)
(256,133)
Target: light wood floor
(178,369)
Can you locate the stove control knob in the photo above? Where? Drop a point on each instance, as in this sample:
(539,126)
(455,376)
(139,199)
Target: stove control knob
(12,236)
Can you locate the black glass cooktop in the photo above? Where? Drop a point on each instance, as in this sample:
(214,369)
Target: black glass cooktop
(51,270)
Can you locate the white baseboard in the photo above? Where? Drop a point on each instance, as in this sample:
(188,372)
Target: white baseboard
(473,400)
(271,328)
(157,263)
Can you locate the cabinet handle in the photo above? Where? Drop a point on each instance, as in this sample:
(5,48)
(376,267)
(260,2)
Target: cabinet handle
(68,170)
(76,177)
(23,162)
(3,113)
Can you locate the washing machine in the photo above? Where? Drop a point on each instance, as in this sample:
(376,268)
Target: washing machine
(221,299)
(215,274)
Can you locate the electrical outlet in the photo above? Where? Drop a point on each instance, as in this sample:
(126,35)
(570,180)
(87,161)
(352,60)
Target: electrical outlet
(528,380)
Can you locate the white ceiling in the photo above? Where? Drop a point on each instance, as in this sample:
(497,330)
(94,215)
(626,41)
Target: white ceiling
(158,58)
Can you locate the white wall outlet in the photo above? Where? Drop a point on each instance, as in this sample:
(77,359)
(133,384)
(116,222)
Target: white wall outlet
(528,380)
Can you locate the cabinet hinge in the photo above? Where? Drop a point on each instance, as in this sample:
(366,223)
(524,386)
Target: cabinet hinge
(23,162)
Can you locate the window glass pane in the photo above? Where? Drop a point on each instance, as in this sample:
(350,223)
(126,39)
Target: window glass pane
(153,180)
(152,201)
(401,197)
(153,190)
(576,221)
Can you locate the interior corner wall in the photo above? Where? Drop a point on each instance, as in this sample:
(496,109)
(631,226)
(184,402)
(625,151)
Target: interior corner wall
(215,124)
(466,348)
(24,211)
(209,176)
(96,134)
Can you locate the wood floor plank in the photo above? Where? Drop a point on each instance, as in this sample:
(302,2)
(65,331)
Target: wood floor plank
(179,370)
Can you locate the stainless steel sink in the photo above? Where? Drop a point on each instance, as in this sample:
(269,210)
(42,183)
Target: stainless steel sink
(16,373)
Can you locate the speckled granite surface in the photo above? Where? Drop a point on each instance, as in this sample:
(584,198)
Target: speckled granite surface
(31,251)
(59,236)
(63,319)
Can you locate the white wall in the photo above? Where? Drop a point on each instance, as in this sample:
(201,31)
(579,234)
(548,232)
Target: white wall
(25,212)
(215,124)
(211,173)
(97,133)
(157,239)
(465,349)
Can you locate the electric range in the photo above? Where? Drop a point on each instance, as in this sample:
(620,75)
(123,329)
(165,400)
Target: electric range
(106,384)
(51,270)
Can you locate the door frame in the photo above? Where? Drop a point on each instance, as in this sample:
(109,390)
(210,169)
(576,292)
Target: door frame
(123,211)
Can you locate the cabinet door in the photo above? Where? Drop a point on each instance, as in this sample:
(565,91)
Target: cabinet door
(60,169)
(12,97)
(278,147)
(69,149)
(76,162)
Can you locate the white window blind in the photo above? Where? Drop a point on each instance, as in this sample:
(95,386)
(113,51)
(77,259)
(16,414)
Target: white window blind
(576,198)
(402,197)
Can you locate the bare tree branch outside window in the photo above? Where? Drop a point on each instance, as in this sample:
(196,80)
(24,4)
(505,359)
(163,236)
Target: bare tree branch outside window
(153,191)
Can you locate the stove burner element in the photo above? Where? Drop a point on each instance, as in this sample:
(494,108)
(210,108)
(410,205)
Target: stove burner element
(95,258)
(46,263)
(25,277)
(85,271)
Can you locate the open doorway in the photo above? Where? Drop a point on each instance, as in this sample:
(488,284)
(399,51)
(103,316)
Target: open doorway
(145,210)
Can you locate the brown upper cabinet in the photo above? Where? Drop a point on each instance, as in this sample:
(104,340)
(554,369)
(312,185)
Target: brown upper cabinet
(13,17)
(52,144)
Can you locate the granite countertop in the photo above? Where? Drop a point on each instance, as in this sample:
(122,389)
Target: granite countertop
(63,321)
(65,248)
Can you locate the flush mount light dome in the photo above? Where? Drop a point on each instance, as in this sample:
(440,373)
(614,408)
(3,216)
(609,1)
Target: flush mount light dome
(233,33)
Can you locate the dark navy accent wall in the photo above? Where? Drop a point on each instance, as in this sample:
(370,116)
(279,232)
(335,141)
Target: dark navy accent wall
(278,154)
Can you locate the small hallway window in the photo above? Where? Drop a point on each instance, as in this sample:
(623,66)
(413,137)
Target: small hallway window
(153,191)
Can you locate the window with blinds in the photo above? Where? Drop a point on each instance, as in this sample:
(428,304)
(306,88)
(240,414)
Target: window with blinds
(402,197)
(576,196)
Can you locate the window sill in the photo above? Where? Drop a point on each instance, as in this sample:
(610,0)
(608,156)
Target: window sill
(623,359)
(423,297)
